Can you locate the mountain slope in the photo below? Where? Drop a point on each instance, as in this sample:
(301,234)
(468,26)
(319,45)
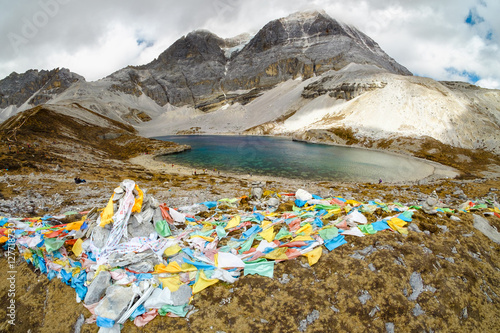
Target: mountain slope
(372,103)
(205,71)
(305,75)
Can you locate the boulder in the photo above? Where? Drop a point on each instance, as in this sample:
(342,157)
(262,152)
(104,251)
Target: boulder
(98,287)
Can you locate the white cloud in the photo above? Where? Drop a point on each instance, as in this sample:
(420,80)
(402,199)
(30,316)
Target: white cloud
(95,38)
(489,83)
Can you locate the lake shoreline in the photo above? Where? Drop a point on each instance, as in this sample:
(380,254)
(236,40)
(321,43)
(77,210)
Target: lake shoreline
(439,171)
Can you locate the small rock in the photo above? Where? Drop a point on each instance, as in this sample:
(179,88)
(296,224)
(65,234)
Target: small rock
(400,261)
(464,314)
(450,259)
(284,279)
(273,202)
(389,327)
(115,303)
(263,321)
(142,267)
(98,287)
(385,247)
(372,267)
(182,295)
(373,311)
(427,250)
(417,310)
(455,218)
(443,228)
(430,288)
(256,193)
(79,323)
(356,255)
(417,286)
(454,250)
(364,297)
(367,250)
(475,256)
(482,224)
(414,227)
(334,309)
(312,317)
(468,235)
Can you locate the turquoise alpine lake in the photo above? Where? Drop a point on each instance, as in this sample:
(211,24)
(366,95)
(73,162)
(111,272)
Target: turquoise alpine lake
(282,157)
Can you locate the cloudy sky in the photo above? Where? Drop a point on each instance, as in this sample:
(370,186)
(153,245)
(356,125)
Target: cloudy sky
(444,40)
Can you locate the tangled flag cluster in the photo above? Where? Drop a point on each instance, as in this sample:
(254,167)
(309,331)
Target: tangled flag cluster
(136,258)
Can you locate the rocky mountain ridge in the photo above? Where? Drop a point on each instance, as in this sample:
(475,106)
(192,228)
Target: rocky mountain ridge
(204,71)
(299,76)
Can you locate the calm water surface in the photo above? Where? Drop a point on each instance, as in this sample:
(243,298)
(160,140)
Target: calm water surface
(286,158)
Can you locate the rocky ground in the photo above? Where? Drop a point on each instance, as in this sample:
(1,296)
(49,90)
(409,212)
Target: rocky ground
(443,277)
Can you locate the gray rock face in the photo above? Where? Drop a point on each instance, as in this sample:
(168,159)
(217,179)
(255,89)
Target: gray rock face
(482,224)
(36,87)
(302,44)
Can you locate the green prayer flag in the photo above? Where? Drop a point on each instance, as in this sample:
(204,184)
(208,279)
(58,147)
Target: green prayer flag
(221,232)
(247,244)
(326,207)
(367,229)
(328,233)
(264,268)
(283,233)
(408,214)
(53,244)
(179,310)
(162,228)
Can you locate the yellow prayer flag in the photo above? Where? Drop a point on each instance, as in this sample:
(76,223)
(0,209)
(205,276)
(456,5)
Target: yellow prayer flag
(277,254)
(27,254)
(75,225)
(302,238)
(307,229)
(77,247)
(188,267)
(170,251)
(314,255)
(138,201)
(208,239)
(203,283)
(268,234)
(172,267)
(233,222)
(172,282)
(397,225)
(107,213)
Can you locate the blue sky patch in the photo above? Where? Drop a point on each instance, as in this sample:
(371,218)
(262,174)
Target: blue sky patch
(147,43)
(473,18)
(489,35)
(470,77)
